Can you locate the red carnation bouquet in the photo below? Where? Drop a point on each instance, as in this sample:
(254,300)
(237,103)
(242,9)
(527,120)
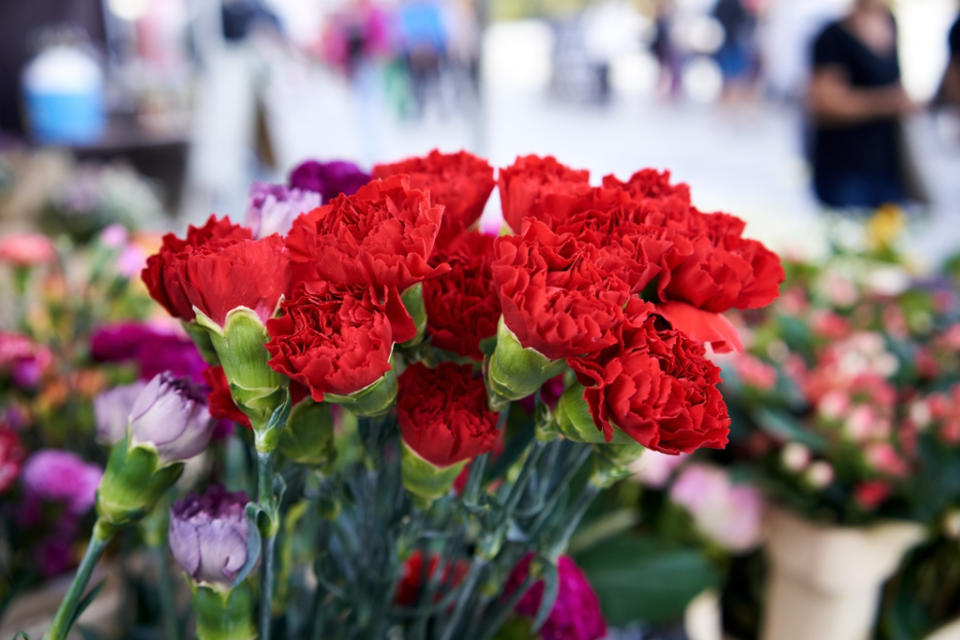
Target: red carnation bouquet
(378,353)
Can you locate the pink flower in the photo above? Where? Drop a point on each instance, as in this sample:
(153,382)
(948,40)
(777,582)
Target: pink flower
(755,372)
(653,468)
(727,513)
(26,249)
(62,476)
(886,459)
(830,325)
(115,236)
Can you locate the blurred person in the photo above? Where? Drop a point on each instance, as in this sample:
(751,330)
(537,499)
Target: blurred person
(736,56)
(423,42)
(950,88)
(666,50)
(857,104)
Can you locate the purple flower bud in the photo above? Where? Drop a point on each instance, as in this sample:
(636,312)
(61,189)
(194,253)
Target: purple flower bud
(112,410)
(171,414)
(62,476)
(274,207)
(329,179)
(208,534)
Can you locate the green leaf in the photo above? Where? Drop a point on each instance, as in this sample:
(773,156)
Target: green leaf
(784,427)
(254,543)
(85,602)
(638,579)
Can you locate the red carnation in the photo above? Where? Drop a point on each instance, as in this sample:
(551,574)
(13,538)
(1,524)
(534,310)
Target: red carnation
(12,455)
(649,183)
(335,340)
(382,235)
(461,182)
(219,401)
(443,413)
(555,297)
(462,305)
(248,273)
(656,385)
(165,274)
(413,575)
(530,182)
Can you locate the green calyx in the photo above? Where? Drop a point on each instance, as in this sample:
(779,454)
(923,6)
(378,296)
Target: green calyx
(308,436)
(513,371)
(611,462)
(224,614)
(372,401)
(257,389)
(425,481)
(575,421)
(201,337)
(412,300)
(132,483)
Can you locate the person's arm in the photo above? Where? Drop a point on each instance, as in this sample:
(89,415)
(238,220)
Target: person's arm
(832,99)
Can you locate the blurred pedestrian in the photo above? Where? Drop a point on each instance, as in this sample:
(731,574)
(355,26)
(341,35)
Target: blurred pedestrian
(736,56)
(665,49)
(857,105)
(950,88)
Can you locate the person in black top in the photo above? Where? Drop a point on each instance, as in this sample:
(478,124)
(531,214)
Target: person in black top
(856,101)
(951,78)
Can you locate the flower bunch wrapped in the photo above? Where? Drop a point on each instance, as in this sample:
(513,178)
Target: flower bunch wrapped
(845,395)
(378,352)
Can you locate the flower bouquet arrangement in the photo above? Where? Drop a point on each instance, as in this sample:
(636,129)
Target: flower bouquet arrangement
(54,348)
(428,410)
(842,406)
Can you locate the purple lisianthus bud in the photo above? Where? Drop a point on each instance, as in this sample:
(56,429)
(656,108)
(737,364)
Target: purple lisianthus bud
(329,179)
(171,414)
(208,535)
(62,476)
(112,411)
(274,207)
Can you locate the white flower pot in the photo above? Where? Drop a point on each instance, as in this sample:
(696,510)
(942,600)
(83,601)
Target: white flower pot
(701,619)
(824,581)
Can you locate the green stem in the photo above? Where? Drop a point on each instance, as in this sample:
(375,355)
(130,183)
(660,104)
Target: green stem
(63,619)
(584,500)
(497,616)
(267,501)
(168,609)
(466,593)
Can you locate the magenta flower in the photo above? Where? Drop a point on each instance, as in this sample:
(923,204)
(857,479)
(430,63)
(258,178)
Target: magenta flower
(62,476)
(155,350)
(576,612)
(329,179)
(208,535)
(23,360)
(274,207)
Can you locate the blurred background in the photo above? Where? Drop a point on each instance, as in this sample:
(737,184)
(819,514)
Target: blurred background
(201,97)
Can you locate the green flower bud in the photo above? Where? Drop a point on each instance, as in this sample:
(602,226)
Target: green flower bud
(576,423)
(424,480)
(257,389)
(611,462)
(308,436)
(372,401)
(224,614)
(201,338)
(412,300)
(514,372)
(132,483)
